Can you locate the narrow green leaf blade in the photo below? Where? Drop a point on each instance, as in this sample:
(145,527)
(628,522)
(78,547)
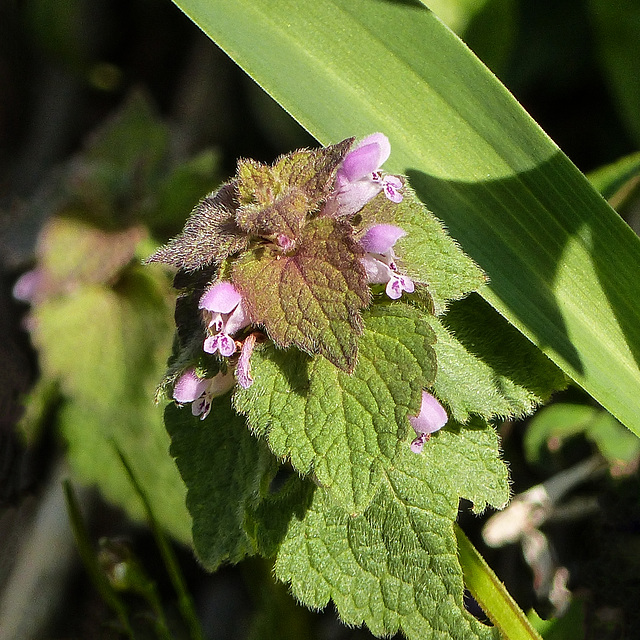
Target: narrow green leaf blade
(491,593)
(563,267)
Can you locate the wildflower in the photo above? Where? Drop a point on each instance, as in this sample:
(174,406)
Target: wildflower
(359,178)
(201,391)
(227,315)
(380,259)
(432,417)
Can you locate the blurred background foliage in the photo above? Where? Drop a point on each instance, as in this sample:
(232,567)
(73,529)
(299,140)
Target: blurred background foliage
(115,119)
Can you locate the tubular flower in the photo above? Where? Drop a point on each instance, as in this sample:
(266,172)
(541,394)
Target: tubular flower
(431,418)
(380,260)
(226,315)
(359,178)
(201,391)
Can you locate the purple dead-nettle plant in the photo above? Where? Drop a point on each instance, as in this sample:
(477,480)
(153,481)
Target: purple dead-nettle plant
(285,253)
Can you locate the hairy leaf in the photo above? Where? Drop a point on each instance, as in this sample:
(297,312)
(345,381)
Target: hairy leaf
(486,367)
(226,471)
(312,297)
(345,429)
(210,234)
(394,567)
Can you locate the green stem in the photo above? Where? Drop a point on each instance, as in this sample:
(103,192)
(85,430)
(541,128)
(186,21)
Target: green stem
(491,594)
(87,554)
(185,603)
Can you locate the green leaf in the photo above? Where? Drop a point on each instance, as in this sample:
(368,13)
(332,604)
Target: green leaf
(312,296)
(617,181)
(226,471)
(491,594)
(345,429)
(487,368)
(395,566)
(72,253)
(563,267)
(472,463)
(183,186)
(107,350)
(122,164)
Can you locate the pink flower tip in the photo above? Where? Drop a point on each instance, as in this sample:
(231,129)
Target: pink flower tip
(366,157)
(431,418)
(381,237)
(189,386)
(222,297)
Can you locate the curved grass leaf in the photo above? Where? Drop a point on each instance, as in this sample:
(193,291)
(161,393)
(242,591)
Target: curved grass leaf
(563,266)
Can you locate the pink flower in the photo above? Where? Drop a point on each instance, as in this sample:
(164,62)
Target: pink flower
(226,315)
(359,178)
(432,417)
(380,259)
(201,391)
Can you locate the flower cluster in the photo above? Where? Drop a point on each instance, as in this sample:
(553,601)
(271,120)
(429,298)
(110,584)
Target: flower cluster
(262,216)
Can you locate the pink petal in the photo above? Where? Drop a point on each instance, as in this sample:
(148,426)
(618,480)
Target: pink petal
(243,369)
(384,146)
(189,386)
(239,319)
(366,157)
(407,284)
(418,443)
(432,415)
(201,407)
(221,297)
(354,195)
(220,342)
(27,286)
(397,284)
(360,162)
(394,288)
(381,237)
(377,272)
(391,186)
